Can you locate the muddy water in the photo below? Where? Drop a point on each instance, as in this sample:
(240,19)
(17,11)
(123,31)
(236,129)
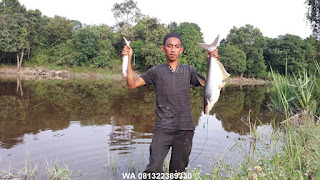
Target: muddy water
(103,129)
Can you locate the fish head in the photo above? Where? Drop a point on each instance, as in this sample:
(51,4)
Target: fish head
(209,105)
(127,41)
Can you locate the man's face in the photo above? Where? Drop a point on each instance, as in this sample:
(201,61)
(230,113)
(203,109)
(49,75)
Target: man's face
(172,49)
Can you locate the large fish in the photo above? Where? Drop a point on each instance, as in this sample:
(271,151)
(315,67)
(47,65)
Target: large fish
(125,60)
(215,76)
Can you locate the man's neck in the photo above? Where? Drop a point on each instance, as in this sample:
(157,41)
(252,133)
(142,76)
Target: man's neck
(173,64)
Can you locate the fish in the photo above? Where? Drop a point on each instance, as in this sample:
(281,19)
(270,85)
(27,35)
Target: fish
(125,60)
(214,80)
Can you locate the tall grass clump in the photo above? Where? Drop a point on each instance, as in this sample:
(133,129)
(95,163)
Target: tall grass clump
(298,93)
(297,97)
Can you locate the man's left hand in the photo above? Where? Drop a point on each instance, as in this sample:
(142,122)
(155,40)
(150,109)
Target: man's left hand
(213,53)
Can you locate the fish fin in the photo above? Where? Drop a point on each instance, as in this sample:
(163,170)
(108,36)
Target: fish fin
(127,41)
(201,81)
(215,42)
(225,74)
(221,85)
(210,47)
(204,46)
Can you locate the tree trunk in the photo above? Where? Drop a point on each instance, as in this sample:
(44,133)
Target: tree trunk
(21,57)
(29,53)
(18,63)
(19,60)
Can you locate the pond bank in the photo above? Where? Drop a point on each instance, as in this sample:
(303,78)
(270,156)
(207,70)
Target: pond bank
(32,73)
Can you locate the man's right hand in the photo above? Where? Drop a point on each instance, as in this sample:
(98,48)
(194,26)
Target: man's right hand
(131,82)
(127,50)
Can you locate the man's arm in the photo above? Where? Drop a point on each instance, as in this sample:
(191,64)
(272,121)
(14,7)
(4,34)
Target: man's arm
(131,82)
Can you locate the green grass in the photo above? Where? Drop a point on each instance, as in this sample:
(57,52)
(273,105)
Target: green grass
(51,170)
(298,93)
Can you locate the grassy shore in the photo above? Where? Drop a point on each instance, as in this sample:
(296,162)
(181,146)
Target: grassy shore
(51,170)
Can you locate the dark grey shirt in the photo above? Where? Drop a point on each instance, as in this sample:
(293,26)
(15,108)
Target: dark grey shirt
(172,95)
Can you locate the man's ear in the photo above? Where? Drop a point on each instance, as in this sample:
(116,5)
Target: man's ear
(181,50)
(163,49)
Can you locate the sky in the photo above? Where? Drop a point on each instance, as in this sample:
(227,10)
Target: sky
(272,17)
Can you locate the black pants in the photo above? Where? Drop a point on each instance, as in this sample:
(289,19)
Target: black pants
(162,140)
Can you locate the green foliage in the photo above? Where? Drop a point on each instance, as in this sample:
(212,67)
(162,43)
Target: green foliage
(298,53)
(86,41)
(36,24)
(233,59)
(313,15)
(149,53)
(76,24)
(61,42)
(64,54)
(251,41)
(58,30)
(137,56)
(13,27)
(193,54)
(40,57)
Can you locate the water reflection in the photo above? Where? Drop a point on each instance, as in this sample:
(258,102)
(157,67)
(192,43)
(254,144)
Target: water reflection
(236,106)
(52,105)
(82,121)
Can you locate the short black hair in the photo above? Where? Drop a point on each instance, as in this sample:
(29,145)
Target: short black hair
(171,35)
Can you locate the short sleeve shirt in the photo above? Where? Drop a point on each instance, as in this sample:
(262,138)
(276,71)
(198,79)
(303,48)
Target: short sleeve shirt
(173,107)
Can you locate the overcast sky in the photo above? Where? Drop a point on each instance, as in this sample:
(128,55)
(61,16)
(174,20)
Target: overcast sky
(272,17)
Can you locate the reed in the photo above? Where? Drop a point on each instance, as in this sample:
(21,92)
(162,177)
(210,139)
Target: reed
(298,93)
(52,171)
(298,156)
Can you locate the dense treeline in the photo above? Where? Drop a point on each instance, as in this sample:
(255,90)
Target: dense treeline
(35,39)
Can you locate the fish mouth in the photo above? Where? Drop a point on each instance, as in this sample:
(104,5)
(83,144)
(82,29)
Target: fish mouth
(206,111)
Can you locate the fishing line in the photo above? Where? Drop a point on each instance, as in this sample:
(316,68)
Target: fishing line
(203,143)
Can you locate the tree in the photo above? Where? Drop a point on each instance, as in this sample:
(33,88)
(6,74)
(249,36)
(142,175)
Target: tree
(105,52)
(76,24)
(291,51)
(86,41)
(13,30)
(127,15)
(36,25)
(193,54)
(147,44)
(151,52)
(58,30)
(233,59)
(251,41)
(313,15)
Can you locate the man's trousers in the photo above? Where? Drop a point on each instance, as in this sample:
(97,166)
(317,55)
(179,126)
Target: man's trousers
(181,143)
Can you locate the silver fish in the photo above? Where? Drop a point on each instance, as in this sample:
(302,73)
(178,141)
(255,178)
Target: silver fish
(213,83)
(125,60)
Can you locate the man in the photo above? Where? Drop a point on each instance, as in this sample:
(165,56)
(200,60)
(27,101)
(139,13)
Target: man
(174,125)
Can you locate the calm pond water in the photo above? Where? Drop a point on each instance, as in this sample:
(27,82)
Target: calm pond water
(103,129)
